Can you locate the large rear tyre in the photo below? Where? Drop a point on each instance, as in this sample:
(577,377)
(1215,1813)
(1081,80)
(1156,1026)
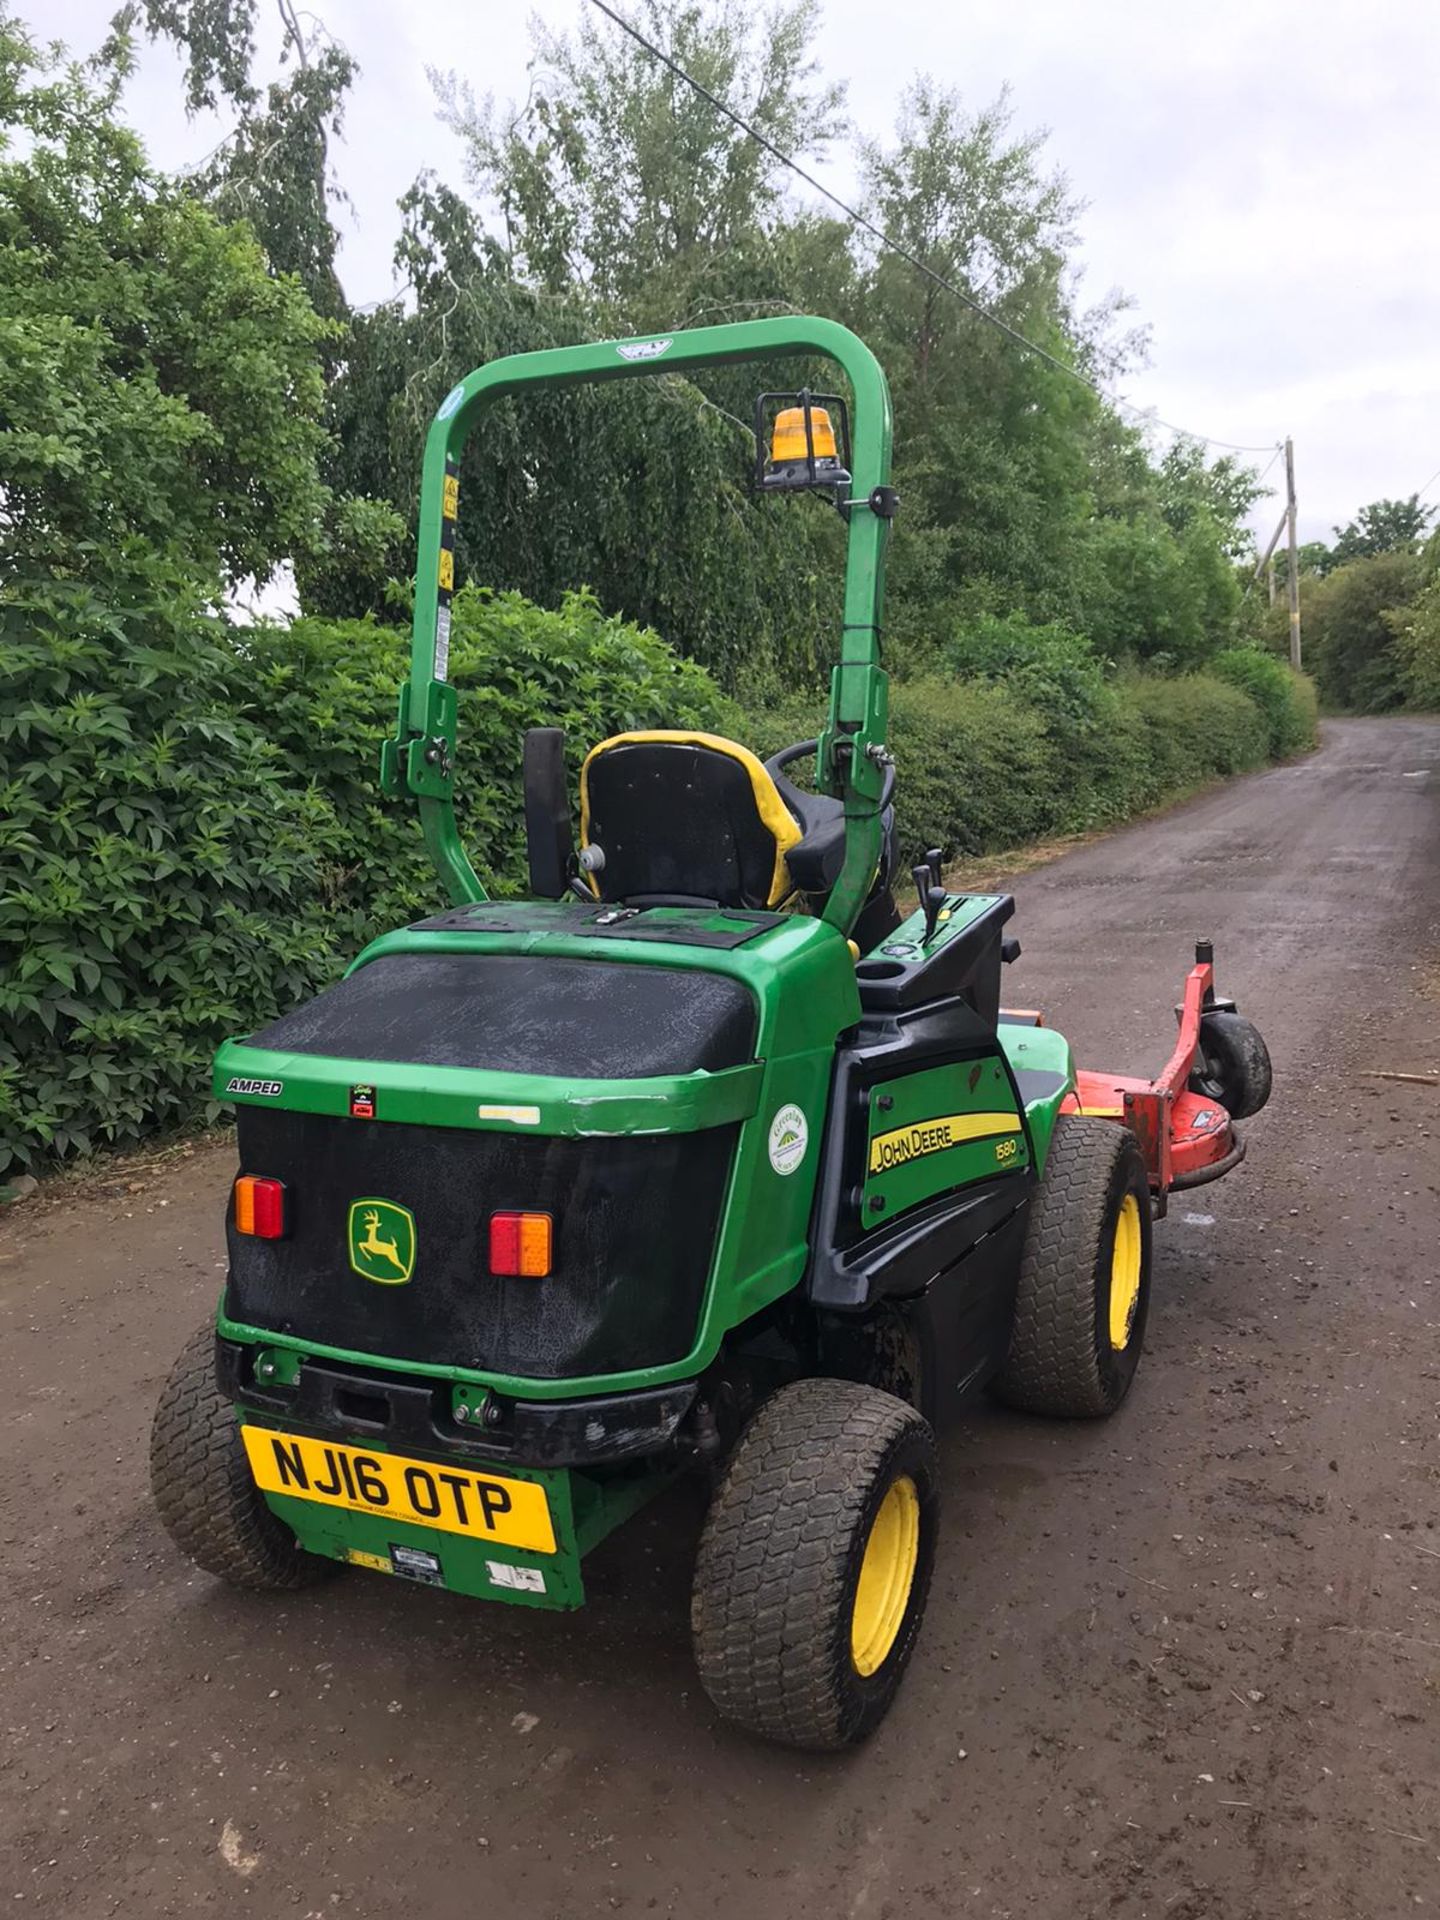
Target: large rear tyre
(207,1501)
(1084,1288)
(1232,1067)
(815,1564)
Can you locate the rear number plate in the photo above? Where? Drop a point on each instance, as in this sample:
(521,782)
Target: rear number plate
(512,1513)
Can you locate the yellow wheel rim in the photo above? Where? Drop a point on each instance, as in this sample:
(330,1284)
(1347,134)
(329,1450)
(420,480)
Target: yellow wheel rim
(887,1573)
(1125,1273)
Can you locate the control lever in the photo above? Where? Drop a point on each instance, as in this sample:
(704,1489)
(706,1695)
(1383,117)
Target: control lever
(934,859)
(932,898)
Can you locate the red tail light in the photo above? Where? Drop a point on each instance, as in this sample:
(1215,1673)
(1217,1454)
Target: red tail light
(260,1207)
(520,1243)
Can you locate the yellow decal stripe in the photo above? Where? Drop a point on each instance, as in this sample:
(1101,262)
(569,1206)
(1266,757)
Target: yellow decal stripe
(903,1144)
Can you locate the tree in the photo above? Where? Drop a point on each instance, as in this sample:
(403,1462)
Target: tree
(1349,619)
(1417,648)
(274,168)
(637,489)
(1023,487)
(616,180)
(1222,492)
(1312,557)
(991,440)
(160,391)
(1416,630)
(1385,526)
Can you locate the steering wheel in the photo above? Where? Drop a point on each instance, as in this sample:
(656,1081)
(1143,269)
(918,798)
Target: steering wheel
(788,755)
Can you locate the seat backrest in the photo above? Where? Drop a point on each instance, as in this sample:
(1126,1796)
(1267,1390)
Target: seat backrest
(685,816)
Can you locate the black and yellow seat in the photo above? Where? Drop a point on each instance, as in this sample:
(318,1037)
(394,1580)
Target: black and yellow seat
(688,819)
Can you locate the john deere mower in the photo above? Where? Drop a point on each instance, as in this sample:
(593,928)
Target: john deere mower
(699,1159)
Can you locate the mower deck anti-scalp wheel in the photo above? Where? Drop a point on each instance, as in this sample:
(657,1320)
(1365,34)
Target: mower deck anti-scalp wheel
(1084,1288)
(815,1563)
(1232,1067)
(206,1499)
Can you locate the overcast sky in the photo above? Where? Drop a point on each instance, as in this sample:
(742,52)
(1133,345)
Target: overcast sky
(1263,179)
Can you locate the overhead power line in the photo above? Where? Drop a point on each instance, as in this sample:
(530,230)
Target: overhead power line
(1279,449)
(1428,484)
(876,233)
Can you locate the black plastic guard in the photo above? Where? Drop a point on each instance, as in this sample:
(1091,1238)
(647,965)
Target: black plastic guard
(851,1271)
(356,1404)
(967,965)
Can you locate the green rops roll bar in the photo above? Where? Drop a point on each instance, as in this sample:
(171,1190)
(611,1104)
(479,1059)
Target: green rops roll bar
(851,761)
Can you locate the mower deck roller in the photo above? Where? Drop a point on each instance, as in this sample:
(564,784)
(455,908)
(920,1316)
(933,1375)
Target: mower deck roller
(701,1159)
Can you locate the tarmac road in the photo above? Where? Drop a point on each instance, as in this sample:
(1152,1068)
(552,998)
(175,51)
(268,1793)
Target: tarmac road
(1184,1665)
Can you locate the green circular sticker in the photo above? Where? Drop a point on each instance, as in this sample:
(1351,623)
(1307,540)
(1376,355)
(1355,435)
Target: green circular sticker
(789,1137)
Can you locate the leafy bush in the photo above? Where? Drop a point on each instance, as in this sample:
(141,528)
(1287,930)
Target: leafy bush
(328,690)
(976,767)
(157,865)
(1057,673)
(194,836)
(1054,670)
(1349,631)
(981,767)
(1199,729)
(1286,698)
(1157,595)
(1417,648)
(160,389)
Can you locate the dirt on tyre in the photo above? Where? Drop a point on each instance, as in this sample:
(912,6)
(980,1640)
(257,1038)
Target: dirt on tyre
(1232,1067)
(815,1564)
(1084,1288)
(200,1481)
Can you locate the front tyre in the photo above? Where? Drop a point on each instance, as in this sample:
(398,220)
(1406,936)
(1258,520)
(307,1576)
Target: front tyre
(1232,1064)
(1084,1288)
(200,1479)
(815,1564)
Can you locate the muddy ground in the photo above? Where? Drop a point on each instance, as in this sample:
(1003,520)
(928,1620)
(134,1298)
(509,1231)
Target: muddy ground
(1182,1665)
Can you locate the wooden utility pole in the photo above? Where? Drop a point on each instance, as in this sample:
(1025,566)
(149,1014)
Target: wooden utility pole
(1267,559)
(1294,568)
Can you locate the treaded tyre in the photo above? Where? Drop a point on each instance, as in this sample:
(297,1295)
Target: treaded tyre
(200,1480)
(1084,1287)
(815,1563)
(1232,1067)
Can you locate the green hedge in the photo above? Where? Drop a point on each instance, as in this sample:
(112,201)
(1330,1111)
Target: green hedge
(328,692)
(159,867)
(984,765)
(1286,699)
(1417,648)
(193,835)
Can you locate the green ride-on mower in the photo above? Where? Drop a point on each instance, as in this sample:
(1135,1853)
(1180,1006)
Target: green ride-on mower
(701,1158)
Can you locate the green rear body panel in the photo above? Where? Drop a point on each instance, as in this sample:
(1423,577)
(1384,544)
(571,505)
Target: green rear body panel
(803,980)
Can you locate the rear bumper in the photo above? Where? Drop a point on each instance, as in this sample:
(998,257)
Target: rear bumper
(406,1412)
(589,1464)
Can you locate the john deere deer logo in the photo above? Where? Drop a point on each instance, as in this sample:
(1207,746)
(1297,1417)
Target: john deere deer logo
(382,1241)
